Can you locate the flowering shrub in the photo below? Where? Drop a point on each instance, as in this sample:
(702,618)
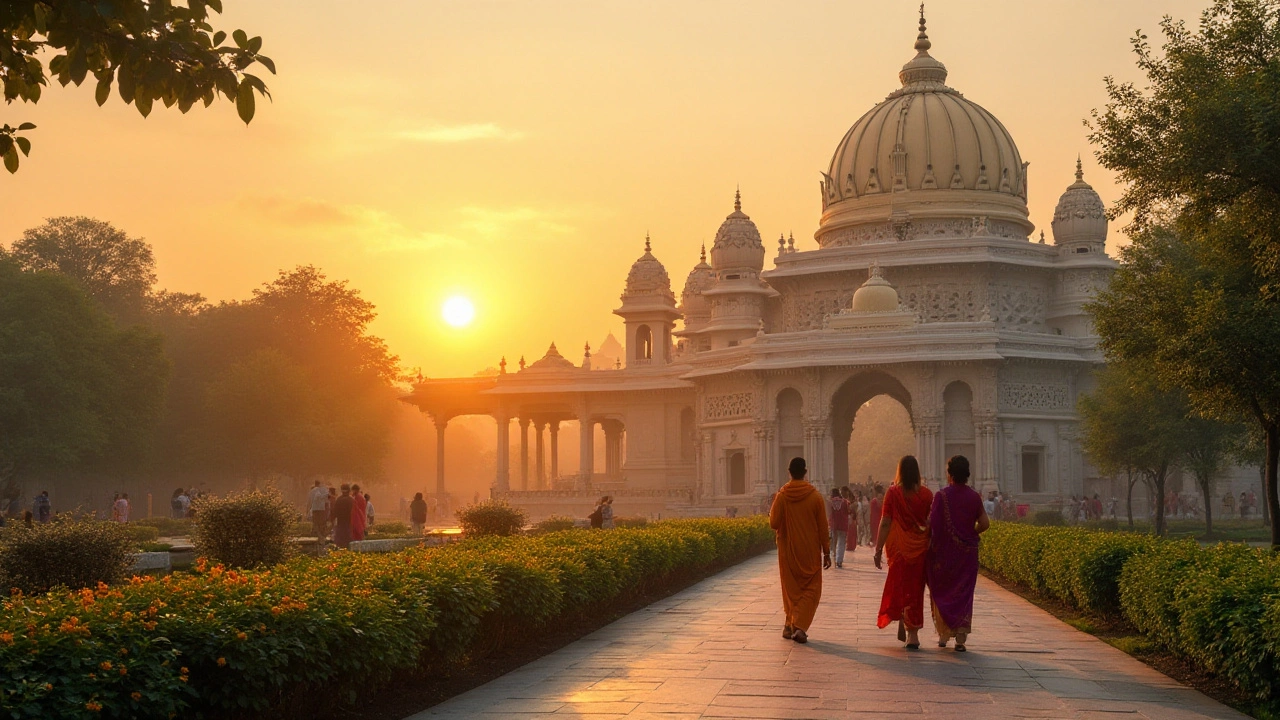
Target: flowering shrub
(244,530)
(491,517)
(230,643)
(554,524)
(1219,607)
(73,553)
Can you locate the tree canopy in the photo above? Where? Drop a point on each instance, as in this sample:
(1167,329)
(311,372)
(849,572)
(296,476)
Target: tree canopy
(150,50)
(74,389)
(1197,297)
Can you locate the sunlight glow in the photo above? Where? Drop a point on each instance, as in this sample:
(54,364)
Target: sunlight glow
(458,311)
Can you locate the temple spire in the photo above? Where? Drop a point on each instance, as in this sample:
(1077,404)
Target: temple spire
(1079,170)
(646,241)
(704,252)
(737,199)
(922,40)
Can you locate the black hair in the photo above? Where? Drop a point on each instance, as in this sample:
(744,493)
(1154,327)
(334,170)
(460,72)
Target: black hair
(958,469)
(797,468)
(908,473)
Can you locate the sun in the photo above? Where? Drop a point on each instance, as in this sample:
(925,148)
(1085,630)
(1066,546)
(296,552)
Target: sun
(458,311)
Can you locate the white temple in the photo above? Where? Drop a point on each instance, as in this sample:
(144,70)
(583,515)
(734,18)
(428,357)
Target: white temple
(925,286)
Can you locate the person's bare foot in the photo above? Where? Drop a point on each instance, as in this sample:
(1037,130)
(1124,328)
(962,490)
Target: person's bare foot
(913,639)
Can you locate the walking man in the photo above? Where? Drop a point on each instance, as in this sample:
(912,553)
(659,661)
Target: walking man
(799,520)
(838,521)
(343,509)
(318,504)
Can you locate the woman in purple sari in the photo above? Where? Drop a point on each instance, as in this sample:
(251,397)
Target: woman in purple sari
(951,571)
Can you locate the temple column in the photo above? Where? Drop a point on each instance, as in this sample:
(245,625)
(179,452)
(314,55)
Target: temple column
(503,481)
(540,461)
(555,450)
(612,449)
(586,447)
(762,460)
(524,453)
(441,423)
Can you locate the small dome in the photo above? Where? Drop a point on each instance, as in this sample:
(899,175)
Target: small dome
(738,247)
(648,276)
(700,278)
(1080,216)
(875,295)
(553,360)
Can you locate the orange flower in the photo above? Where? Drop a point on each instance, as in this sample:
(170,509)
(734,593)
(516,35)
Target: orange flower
(92,706)
(127,616)
(48,686)
(106,665)
(136,696)
(6,638)
(222,662)
(241,636)
(123,671)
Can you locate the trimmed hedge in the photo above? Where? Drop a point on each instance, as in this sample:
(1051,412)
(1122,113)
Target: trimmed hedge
(223,643)
(1217,606)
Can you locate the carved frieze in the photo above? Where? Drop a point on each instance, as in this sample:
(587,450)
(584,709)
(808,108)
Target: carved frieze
(891,232)
(732,405)
(1034,396)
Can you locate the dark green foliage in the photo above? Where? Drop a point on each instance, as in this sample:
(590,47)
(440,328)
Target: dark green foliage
(226,644)
(1048,518)
(151,51)
(1215,606)
(554,523)
(68,552)
(491,517)
(140,533)
(245,530)
(166,526)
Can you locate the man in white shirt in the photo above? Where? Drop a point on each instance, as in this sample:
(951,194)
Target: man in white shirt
(317,503)
(990,505)
(122,508)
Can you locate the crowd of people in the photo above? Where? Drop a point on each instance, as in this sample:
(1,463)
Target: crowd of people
(1247,505)
(928,540)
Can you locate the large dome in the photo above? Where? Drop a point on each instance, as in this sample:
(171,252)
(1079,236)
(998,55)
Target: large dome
(924,152)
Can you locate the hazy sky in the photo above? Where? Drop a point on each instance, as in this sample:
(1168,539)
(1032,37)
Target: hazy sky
(517,152)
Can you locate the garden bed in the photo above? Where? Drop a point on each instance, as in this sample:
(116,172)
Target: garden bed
(288,642)
(1206,615)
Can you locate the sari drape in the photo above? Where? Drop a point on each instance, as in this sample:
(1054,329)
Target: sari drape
(905,549)
(952,568)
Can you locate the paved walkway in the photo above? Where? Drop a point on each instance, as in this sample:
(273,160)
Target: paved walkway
(715,650)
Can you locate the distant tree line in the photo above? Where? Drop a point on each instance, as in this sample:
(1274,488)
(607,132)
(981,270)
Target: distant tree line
(102,372)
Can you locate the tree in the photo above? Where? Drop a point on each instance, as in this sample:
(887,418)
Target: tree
(115,269)
(1209,448)
(75,391)
(1131,424)
(1198,295)
(152,50)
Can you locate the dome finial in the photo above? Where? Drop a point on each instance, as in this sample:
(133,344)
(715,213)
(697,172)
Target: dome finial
(646,241)
(704,251)
(737,199)
(1079,170)
(922,40)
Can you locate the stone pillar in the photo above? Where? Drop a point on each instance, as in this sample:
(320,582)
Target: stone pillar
(927,451)
(503,481)
(524,453)
(540,460)
(762,460)
(708,465)
(555,450)
(586,447)
(441,424)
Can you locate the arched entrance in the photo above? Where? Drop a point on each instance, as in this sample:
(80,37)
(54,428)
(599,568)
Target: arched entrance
(853,394)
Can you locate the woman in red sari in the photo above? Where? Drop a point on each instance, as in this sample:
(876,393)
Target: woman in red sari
(904,537)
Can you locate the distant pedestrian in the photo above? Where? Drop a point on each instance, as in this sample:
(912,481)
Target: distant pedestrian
(368,510)
(317,503)
(359,519)
(597,516)
(873,514)
(1244,506)
(418,514)
(27,519)
(120,509)
(328,508)
(606,513)
(176,510)
(41,507)
(851,536)
(838,525)
(343,511)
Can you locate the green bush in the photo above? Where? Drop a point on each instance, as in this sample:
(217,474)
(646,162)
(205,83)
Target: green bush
(244,530)
(491,517)
(554,523)
(388,529)
(142,533)
(69,552)
(631,522)
(1218,607)
(168,527)
(1048,518)
(222,643)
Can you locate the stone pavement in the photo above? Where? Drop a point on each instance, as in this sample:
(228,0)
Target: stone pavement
(715,650)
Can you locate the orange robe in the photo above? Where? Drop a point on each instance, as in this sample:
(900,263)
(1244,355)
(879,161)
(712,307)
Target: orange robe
(799,520)
(905,550)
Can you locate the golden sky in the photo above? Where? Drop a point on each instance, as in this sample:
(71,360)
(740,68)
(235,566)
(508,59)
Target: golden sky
(517,152)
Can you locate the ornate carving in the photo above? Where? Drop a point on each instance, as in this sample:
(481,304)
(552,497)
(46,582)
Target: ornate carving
(720,407)
(1034,396)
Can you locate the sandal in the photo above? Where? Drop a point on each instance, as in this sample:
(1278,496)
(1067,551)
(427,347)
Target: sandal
(960,647)
(787,632)
(800,636)
(913,646)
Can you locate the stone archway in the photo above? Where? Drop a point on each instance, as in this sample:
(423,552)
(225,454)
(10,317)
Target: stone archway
(851,395)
